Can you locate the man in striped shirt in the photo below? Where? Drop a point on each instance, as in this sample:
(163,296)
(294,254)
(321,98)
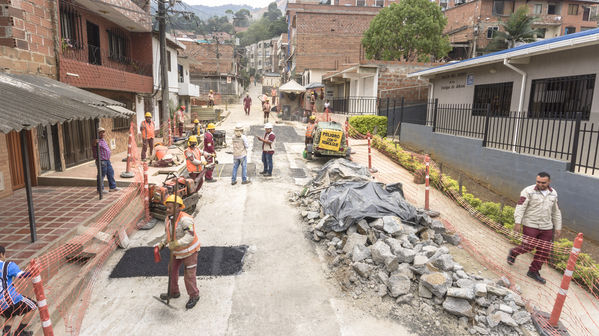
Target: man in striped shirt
(105,165)
(12,303)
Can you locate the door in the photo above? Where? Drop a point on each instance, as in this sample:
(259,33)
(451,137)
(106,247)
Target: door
(15,160)
(43,147)
(93,44)
(78,138)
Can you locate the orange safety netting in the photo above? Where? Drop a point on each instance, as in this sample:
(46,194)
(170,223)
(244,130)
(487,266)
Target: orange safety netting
(70,270)
(490,242)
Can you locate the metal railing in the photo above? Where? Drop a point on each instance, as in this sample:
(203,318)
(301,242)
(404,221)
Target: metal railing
(95,55)
(355,105)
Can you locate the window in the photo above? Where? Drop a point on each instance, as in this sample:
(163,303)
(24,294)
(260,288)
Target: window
(553,9)
(360,3)
(70,27)
(586,13)
(538,9)
(572,9)
(117,45)
(586,28)
(443,4)
(119,124)
(379,3)
(168,59)
(498,7)
(561,97)
(499,95)
(541,33)
(181,75)
(570,30)
(491,32)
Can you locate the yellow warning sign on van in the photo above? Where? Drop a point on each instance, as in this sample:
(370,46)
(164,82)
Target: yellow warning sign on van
(330,139)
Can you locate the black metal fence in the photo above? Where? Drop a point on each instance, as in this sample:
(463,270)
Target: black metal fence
(355,105)
(563,137)
(98,56)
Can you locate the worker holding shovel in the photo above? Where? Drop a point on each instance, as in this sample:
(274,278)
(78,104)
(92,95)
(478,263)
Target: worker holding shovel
(184,245)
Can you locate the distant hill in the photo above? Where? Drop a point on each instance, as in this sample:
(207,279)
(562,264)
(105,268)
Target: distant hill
(205,12)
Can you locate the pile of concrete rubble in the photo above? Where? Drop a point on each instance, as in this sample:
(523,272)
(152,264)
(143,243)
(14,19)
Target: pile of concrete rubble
(409,262)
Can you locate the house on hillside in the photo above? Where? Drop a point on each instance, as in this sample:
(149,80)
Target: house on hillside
(471,24)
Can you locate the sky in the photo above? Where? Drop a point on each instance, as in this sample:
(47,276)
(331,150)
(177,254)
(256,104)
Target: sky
(253,3)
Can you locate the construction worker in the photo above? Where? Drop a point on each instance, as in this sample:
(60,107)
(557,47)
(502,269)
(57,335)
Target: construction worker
(12,303)
(161,156)
(310,129)
(193,157)
(196,127)
(184,246)
(211,99)
(266,110)
(273,94)
(147,135)
(209,148)
(180,117)
(268,149)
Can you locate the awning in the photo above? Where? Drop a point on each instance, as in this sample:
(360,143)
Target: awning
(27,101)
(292,86)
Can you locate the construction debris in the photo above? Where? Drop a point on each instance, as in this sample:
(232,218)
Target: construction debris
(389,248)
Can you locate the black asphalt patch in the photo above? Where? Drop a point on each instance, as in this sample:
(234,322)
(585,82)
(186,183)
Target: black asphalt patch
(212,261)
(298,172)
(226,170)
(283,135)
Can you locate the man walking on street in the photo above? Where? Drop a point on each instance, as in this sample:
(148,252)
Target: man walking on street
(266,110)
(273,94)
(147,135)
(538,215)
(268,149)
(105,165)
(209,148)
(211,99)
(240,147)
(12,303)
(184,246)
(247,103)
(180,116)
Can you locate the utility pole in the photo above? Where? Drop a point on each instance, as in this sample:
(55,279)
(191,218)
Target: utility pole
(163,63)
(217,62)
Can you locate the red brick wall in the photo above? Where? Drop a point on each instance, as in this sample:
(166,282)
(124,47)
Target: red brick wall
(4,167)
(99,77)
(394,83)
(121,137)
(463,16)
(141,46)
(205,54)
(26,37)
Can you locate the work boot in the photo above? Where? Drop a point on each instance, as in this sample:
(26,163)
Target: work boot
(233,182)
(211,180)
(246,182)
(536,276)
(192,302)
(267,175)
(511,258)
(164,296)
(263,172)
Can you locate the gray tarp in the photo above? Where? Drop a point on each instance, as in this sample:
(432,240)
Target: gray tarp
(336,171)
(349,202)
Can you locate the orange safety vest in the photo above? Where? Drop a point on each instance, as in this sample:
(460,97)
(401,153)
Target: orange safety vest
(184,249)
(196,155)
(160,151)
(310,130)
(147,129)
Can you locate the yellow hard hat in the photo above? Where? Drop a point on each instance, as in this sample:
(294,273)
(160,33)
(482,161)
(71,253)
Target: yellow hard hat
(171,199)
(192,138)
(211,126)
(211,91)
(148,114)
(158,144)
(312,117)
(196,121)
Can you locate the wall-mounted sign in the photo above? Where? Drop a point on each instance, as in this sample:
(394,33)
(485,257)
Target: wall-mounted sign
(228,80)
(469,79)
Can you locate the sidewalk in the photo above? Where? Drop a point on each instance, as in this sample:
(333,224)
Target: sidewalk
(581,311)
(58,210)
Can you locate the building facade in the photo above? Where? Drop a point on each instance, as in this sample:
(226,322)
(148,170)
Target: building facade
(471,24)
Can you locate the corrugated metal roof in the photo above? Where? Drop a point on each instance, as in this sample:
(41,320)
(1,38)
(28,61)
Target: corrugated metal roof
(569,41)
(27,101)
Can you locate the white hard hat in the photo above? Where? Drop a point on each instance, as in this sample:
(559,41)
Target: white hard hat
(268,125)
(239,127)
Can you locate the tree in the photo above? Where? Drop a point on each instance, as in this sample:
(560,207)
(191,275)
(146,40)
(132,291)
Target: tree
(241,18)
(411,30)
(270,25)
(518,28)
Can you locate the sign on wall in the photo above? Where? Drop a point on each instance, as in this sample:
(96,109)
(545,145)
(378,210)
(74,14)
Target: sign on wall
(469,79)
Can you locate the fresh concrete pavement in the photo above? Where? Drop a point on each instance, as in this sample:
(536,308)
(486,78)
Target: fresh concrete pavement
(283,288)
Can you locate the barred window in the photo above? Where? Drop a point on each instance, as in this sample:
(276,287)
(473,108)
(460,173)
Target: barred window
(498,95)
(119,124)
(117,45)
(561,97)
(71,31)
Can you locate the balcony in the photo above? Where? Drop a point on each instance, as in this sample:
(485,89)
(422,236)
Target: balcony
(125,13)
(186,89)
(97,56)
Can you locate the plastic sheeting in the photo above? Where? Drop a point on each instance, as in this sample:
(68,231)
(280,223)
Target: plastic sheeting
(349,202)
(336,171)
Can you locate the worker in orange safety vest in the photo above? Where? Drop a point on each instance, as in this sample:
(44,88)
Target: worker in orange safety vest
(147,135)
(184,246)
(310,129)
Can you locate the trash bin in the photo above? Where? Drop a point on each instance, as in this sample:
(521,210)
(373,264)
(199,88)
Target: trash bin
(219,138)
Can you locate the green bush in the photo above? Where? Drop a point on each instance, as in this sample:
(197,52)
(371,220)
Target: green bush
(367,123)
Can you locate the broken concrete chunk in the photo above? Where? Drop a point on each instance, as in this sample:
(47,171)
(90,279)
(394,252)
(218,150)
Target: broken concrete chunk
(382,290)
(405,299)
(362,227)
(465,283)
(480,289)
(437,283)
(399,285)
(362,269)
(380,251)
(437,226)
(483,302)
(420,260)
(352,240)
(377,224)
(304,213)
(506,308)
(461,293)
(521,317)
(458,307)
(429,250)
(392,224)
(360,252)
(313,215)
(383,277)
(352,229)
(423,291)
(405,270)
(391,263)
(406,255)
(460,273)
(443,262)
(504,282)
(394,244)
(452,238)
(499,291)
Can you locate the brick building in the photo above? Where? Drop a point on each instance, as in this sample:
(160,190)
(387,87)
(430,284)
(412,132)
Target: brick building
(471,23)
(261,56)
(210,72)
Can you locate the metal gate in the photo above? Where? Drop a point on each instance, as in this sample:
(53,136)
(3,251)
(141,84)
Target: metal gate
(78,138)
(43,146)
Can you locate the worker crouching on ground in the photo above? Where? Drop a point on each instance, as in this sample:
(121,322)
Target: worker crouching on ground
(310,129)
(13,304)
(209,148)
(193,157)
(161,157)
(147,135)
(184,246)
